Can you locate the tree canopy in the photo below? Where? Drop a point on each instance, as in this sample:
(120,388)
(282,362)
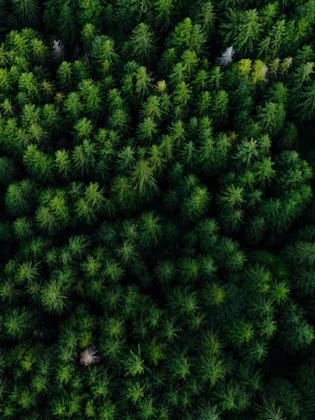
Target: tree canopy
(157,209)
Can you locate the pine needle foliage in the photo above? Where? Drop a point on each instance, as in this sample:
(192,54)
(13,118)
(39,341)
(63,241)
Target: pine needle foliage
(156,209)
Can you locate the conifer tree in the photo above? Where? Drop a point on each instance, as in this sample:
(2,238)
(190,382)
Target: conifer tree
(142,43)
(156,225)
(27,11)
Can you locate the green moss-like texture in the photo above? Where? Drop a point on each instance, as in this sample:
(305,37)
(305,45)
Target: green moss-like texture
(157,210)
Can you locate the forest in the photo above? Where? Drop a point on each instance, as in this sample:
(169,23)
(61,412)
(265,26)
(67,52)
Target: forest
(157,210)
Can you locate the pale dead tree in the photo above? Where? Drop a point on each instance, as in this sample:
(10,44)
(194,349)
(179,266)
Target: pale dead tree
(226,57)
(58,50)
(89,356)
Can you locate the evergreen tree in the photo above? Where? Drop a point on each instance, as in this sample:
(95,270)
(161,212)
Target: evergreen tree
(156,225)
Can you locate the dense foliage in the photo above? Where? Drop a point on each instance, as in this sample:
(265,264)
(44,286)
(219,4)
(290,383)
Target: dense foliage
(157,214)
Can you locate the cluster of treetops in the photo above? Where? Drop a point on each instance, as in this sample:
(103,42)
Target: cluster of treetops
(157,209)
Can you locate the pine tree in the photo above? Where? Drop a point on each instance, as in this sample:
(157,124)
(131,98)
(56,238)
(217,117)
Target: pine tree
(103,52)
(163,13)
(186,35)
(63,163)
(73,106)
(19,198)
(143,179)
(143,82)
(182,94)
(91,97)
(147,130)
(38,164)
(54,295)
(66,21)
(64,76)
(142,43)
(17,323)
(197,204)
(248,31)
(306,105)
(27,11)
(134,365)
(83,157)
